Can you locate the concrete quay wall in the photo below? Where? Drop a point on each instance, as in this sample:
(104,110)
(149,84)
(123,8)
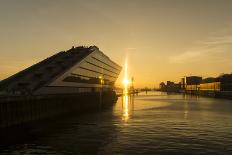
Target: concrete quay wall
(216,94)
(19,110)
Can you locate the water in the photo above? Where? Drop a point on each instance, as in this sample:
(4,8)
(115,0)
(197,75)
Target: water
(153,123)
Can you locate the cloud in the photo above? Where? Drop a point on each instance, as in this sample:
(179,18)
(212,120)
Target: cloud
(189,55)
(130,48)
(138,48)
(215,48)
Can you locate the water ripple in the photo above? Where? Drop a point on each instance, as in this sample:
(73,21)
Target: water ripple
(156,124)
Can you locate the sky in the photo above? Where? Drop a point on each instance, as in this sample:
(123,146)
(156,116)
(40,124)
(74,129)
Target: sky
(162,39)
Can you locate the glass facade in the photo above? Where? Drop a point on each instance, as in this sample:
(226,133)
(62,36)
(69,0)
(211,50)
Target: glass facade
(95,69)
(213,86)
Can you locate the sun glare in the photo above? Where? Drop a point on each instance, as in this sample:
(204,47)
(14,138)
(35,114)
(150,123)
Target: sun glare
(126,81)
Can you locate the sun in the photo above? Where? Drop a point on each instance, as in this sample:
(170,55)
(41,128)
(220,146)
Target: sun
(125,81)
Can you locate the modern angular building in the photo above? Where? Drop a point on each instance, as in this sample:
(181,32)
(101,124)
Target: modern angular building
(72,81)
(80,69)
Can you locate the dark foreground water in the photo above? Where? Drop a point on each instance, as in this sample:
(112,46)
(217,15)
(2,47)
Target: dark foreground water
(153,123)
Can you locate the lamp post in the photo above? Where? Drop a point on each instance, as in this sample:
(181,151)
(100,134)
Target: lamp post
(101,83)
(132,85)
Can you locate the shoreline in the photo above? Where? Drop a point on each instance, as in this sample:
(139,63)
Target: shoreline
(212,94)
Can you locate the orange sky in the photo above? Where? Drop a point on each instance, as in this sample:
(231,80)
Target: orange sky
(163,39)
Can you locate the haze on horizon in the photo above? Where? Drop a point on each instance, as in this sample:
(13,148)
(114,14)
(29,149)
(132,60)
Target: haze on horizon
(162,39)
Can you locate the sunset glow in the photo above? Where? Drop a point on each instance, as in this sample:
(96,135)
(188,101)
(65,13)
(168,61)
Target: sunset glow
(116,77)
(157,49)
(126,81)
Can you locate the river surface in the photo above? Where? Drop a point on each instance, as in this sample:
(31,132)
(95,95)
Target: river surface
(153,123)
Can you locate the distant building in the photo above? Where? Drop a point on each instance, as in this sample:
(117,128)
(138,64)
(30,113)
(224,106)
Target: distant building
(170,83)
(162,86)
(219,86)
(220,83)
(193,80)
(170,86)
(226,82)
(209,80)
(182,83)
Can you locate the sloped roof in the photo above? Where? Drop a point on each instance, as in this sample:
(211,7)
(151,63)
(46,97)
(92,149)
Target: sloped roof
(45,71)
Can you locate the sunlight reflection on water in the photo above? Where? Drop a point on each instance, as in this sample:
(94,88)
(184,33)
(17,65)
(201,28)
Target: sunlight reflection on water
(125,108)
(153,123)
